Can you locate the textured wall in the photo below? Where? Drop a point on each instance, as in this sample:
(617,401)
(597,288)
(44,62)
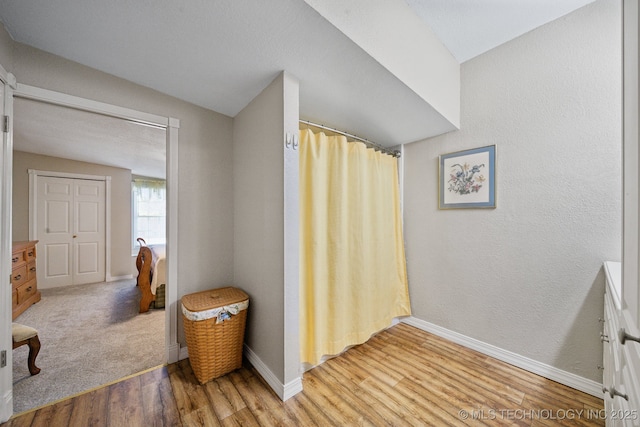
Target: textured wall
(205,212)
(266,224)
(526,277)
(6,49)
(258,185)
(434,74)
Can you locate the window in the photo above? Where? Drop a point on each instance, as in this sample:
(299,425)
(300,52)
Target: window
(149,211)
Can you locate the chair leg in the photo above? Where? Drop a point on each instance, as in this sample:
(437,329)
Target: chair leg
(34,349)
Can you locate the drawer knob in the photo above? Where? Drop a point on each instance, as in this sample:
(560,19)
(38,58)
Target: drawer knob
(18,277)
(613,392)
(32,269)
(624,336)
(15,259)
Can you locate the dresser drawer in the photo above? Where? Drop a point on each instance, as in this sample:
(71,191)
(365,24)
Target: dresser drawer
(19,276)
(30,254)
(31,270)
(26,290)
(17,258)
(24,282)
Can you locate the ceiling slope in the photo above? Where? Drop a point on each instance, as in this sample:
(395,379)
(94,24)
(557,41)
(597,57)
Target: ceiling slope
(471,27)
(391,33)
(220,55)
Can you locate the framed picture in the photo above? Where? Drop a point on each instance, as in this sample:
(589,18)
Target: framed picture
(467,179)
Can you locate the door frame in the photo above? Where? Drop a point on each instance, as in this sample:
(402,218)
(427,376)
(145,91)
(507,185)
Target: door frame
(8,80)
(33,210)
(171,126)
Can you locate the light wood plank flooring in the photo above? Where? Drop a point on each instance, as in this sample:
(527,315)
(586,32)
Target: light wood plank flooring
(401,377)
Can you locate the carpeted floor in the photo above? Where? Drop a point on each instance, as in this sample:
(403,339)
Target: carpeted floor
(90,335)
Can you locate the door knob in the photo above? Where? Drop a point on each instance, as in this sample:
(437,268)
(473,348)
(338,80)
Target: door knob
(613,392)
(624,336)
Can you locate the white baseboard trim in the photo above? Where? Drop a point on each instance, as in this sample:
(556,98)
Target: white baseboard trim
(284,391)
(116,278)
(183,353)
(173,353)
(6,407)
(563,377)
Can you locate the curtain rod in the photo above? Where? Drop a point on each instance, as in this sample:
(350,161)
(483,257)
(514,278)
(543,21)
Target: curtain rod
(394,153)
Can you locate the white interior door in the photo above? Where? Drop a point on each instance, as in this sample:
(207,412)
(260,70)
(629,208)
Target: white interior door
(89,235)
(54,220)
(71,231)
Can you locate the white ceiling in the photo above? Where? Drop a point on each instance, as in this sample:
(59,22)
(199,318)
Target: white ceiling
(221,54)
(67,133)
(469,28)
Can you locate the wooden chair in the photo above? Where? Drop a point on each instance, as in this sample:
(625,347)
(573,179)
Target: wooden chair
(26,335)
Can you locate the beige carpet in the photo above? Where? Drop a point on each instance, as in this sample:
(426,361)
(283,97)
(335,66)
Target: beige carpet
(90,335)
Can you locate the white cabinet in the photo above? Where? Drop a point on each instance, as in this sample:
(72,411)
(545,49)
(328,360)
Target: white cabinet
(622,301)
(619,380)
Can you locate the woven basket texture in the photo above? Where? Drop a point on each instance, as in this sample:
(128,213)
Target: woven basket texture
(160,296)
(215,349)
(206,300)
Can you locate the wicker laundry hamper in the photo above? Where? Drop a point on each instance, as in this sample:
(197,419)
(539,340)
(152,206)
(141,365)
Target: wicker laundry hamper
(214,323)
(160,297)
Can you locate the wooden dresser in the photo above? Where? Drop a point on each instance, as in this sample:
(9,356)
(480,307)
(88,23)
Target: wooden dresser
(24,284)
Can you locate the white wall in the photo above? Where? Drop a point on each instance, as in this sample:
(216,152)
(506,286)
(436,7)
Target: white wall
(211,147)
(408,48)
(526,277)
(259,225)
(292,380)
(205,193)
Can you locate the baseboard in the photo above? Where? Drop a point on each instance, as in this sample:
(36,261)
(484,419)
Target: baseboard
(173,353)
(284,391)
(563,377)
(183,353)
(116,278)
(291,389)
(6,407)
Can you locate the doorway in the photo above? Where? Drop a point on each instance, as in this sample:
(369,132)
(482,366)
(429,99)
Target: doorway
(170,128)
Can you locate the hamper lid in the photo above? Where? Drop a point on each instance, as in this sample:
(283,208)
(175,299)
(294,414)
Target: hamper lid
(213,298)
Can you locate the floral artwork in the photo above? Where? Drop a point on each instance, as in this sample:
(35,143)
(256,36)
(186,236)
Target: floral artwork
(464,179)
(467,179)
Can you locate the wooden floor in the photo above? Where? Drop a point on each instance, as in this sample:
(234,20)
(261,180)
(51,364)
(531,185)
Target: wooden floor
(401,377)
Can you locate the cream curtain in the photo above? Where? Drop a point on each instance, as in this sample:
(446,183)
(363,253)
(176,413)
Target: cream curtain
(352,261)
